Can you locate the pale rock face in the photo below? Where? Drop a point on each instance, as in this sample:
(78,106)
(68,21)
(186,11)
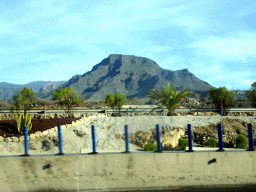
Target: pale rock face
(44,88)
(168,138)
(54,86)
(172,138)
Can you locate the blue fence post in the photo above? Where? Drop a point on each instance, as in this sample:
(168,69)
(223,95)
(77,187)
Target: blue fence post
(93,141)
(126,139)
(26,141)
(189,139)
(44,114)
(60,141)
(158,138)
(250,135)
(220,138)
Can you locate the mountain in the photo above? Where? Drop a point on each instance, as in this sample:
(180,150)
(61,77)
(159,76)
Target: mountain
(240,94)
(133,76)
(8,89)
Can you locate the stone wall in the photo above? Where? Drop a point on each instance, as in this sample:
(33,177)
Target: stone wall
(54,129)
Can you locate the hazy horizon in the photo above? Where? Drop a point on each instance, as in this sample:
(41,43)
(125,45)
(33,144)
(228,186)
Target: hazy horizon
(53,41)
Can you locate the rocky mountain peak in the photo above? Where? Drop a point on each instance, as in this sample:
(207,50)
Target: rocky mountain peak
(54,86)
(44,88)
(131,75)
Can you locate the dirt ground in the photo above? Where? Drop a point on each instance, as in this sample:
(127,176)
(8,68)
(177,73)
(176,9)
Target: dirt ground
(231,129)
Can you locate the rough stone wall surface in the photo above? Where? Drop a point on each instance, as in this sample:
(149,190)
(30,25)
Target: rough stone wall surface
(54,129)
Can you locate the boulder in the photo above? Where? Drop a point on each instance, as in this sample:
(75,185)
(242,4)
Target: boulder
(46,145)
(31,145)
(171,138)
(80,133)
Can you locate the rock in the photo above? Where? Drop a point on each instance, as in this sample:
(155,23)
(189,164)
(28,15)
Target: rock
(171,138)
(55,140)
(46,145)
(31,145)
(80,133)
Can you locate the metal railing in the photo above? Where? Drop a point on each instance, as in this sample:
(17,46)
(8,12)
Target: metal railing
(134,110)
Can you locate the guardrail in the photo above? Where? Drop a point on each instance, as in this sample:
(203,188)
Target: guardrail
(133,110)
(159,145)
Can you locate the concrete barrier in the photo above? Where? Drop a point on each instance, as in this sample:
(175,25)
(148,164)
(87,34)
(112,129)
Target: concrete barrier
(126,171)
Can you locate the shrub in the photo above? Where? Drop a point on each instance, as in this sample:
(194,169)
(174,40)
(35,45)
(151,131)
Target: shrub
(183,143)
(241,142)
(150,147)
(222,99)
(211,142)
(251,94)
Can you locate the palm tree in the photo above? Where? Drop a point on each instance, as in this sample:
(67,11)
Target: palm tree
(169,97)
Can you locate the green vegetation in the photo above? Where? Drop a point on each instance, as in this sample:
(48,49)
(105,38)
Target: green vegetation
(23,120)
(150,147)
(211,142)
(251,94)
(241,142)
(182,143)
(116,101)
(222,99)
(67,99)
(169,97)
(25,99)
(153,147)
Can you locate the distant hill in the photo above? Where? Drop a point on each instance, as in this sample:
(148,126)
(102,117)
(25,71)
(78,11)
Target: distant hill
(131,75)
(8,89)
(240,94)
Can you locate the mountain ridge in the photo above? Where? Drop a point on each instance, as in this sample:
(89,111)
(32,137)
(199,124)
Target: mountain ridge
(131,75)
(8,89)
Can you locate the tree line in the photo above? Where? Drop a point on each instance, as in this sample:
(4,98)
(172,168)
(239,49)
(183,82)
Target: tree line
(69,100)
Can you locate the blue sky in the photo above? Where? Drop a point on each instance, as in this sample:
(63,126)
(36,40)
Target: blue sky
(55,40)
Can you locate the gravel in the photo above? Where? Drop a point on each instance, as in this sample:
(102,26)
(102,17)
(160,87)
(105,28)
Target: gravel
(107,127)
(105,137)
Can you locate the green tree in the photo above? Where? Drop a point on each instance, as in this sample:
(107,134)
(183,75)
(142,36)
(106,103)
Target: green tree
(25,98)
(222,99)
(251,94)
(169,97)
(67,99)
(116,101)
